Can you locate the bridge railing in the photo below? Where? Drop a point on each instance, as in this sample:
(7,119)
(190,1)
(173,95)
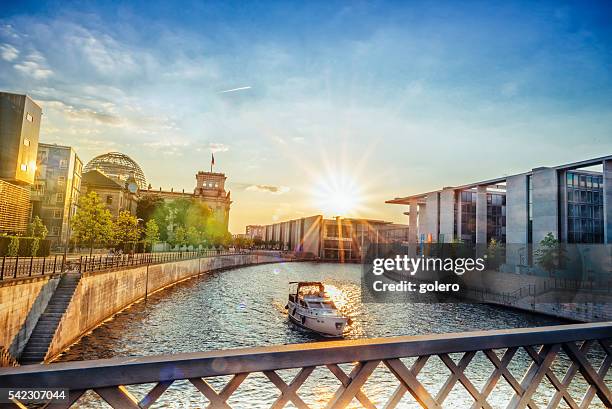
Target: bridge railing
(22,267)
(542,347)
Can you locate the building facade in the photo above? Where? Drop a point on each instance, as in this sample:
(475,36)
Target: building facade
(338,239)
(255,231)
(56,189)
(19,131)
(115,194)
(210,190)
(570,201)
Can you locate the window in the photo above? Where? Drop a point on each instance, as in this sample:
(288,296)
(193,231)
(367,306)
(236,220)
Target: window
(29,117)
(61,180)
(59,198)
(55,230)
(63,163)
(109,200)
(26,142)
(57,214)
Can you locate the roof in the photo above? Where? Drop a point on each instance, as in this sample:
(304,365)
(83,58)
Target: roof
(420,197)
(99,179)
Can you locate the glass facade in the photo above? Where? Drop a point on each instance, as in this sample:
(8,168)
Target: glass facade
(496,217)
(584,207)
(468,216)
(529,209)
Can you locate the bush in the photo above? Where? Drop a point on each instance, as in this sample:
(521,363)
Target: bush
(24,246)
(13,247)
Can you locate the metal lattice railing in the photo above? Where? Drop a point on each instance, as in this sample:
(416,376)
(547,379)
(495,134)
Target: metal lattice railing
(112,379)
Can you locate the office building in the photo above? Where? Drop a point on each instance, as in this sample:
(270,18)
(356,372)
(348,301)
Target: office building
(255,231)
(56,189)
(338,239)
(19,130)
(571,201)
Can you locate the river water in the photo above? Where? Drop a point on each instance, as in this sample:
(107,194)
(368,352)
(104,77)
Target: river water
(245,307)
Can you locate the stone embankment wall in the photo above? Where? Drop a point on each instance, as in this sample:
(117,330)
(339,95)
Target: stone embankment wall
(100,295)
(22,301)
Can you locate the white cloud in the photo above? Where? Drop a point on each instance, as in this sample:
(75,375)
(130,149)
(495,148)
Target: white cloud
(275,190)
(34,66)
(215,147)
(8,52)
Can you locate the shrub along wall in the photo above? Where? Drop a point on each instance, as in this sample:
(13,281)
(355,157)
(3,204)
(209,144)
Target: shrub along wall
(25,246)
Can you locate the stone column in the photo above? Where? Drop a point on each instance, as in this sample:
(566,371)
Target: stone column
(481,215)
(412,222)
(433,221)
(607,201)
(517,219)
(545,203)
(447,214)
(422,224)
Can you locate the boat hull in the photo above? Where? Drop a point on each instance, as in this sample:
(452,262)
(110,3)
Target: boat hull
(323,325)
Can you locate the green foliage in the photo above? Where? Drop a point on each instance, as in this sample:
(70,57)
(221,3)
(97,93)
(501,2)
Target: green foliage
(37,229)
(151,233)
(92,222)
(125,228)
(35,246)
(148,206)
(180,237)
(13,248)
(550,254)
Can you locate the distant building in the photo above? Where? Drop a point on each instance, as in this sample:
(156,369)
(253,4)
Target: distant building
(118,166)
(210,189)
(116,194)
(19,130)
(569,201)
(117,179)
(255,231)
(56,189)
(338,239)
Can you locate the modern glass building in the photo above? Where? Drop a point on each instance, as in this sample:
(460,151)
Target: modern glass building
(571,201)
(19,129)
(585,221)
(56,189)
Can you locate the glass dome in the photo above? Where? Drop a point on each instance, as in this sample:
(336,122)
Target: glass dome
(118,165)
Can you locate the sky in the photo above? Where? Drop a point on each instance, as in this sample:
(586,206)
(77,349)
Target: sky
(311,107)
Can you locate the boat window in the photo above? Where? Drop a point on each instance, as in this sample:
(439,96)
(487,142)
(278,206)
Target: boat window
(328,305)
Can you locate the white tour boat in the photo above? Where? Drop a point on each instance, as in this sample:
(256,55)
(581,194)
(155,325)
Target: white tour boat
(311,307)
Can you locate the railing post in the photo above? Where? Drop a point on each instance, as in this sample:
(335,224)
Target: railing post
(81,265)
(31,264)
(54,263)
(43,266)
(2,271)
(16,264)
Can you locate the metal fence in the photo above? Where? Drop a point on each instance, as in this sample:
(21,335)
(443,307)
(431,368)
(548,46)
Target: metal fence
(352,364)
(21,267)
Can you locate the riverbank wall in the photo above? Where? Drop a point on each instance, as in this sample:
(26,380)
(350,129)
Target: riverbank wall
(98,297)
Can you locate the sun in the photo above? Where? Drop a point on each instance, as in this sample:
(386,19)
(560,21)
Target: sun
(337,194)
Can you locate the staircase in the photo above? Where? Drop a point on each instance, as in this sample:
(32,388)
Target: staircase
(40,340)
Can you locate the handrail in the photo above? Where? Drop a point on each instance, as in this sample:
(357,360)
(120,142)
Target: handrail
(138,370)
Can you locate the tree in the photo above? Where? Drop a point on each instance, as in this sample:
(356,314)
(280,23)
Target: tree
(151,233)
(37,229)
(35,246)
(125,228)
(550,255)
(180,237)
(493,250)
(13,247)
(194,236)
(148,206)
(92,222)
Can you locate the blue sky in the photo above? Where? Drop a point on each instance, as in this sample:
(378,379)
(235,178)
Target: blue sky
(375,99)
